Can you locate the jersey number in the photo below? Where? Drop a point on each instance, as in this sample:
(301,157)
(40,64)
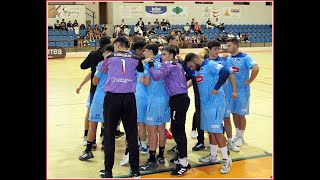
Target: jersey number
(123,69)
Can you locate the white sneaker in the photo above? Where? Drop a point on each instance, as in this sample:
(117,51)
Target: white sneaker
(239,141)
(84,140)
(193,134)
(101,139)
(209,158)
(125,160)
(226,163)
(232,147)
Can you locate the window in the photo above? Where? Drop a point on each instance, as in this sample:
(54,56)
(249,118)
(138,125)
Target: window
(204,2)
(241,3)
(269,3)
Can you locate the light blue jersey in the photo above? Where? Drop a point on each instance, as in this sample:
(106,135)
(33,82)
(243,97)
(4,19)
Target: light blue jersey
(227,87)
(158,111)
(212,106)
(240,66)
(96,110)
(142,93)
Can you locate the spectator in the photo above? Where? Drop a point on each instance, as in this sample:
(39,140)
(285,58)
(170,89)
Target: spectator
(57,25)
(197,28)
(209,24)
(168,24)
(117,30)
(104,30)
(75,24)
(69,26)
(219,25)
(160,48)
(91,35)
(126,30)
(80,42)
(230,35)
(238,37)
(163,25)
(149,27)
(140,23)
(85,41)
(63,25)
(122,24)
(172,32)
(192,23)
(245,37)
(178,31)
(156,24)
(187,29)
(137,30)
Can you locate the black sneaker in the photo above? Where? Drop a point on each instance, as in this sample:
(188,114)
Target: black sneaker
(180,169)
(86,155)
(198,147)
(104,174)
(135,174)
(160,159)
(147,166)
(119,134)
(172,150)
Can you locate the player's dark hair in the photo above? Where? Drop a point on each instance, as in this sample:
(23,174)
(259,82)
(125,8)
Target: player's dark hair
(122,40)
(213,43)
(104,40)
(108,47)
(189,57)
(233,40)
(152,46)
(171,50)
(176,47)
(138,45)
(169,37)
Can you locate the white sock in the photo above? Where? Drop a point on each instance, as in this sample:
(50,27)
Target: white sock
(237,132)
(229,140)
(241,132)
(213,150)
(139,143)
(144,144)
(118,128)
(183,161)
(224,152)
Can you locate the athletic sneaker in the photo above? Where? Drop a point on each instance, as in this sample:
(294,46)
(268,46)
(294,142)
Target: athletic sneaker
(144,150)
(239,141)
(101,139)
(198,147)
(209,159)
(125,160)
(172,150)
(119,134)
(135,174)
(147,166)
(232,147)
(193,134)
(94,147)
(104,174)
(226,163)
(160,159)
(84,140)
(86,156)
(180,169)
(168,134)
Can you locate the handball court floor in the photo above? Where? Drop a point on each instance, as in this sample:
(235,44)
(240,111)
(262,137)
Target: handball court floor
(65,124)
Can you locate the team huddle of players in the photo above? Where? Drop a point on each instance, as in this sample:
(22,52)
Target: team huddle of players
(146,88)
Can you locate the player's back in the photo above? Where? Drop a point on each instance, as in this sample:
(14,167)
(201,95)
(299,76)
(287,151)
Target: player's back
(156,89)
(207,77)
(227,87)
(141,89)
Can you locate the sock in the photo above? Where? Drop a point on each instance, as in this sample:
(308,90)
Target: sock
(229,140)
(102,132)
(224,152)
(89,146)
(152,156)
(118,128)
(144,144)
(139,142)
(213,150)
(183,161)
(85,132)
(94,142)
(161,151)
(127,150)
(241,132)
(237,132)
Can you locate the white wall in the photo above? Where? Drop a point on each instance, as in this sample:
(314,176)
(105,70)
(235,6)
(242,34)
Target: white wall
(93,7)
(80,17)
(255,13)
